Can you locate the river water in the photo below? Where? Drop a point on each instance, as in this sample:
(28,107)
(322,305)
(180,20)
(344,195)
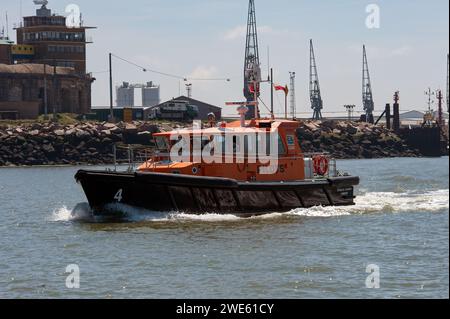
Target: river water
(400,227)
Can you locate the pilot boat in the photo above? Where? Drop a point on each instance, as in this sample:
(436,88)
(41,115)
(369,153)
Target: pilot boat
(245,168)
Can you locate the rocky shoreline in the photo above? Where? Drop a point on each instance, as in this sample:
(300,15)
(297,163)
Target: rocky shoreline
(351,140)
(79,144)
(92,143)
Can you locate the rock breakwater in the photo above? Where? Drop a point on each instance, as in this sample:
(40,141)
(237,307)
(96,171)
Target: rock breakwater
(92,143)
(352,140)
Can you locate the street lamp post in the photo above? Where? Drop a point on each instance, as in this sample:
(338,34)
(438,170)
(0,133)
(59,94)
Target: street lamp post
(45,93)
(54,92)
(111,109)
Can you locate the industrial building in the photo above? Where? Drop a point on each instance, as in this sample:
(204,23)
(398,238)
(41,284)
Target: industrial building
(126,94)
(416,118)
(150,95)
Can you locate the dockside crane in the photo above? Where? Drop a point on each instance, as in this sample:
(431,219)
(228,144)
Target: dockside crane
(314,86)
(252,66)
(367,96)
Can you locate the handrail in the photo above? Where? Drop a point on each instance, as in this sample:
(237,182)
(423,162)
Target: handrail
(150,158)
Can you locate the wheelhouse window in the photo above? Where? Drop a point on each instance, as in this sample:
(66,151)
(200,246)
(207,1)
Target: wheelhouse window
(268,141)
(281,147)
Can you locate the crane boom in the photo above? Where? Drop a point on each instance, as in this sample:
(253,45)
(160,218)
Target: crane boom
(367,95)
(252,67)
(314,86)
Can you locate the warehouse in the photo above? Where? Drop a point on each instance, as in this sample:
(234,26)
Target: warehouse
(202,109)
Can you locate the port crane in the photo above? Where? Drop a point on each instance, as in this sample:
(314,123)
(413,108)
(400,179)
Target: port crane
(314,86)
(252,66)
(367,95)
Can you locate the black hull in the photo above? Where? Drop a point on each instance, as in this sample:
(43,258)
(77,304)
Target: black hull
(168,192)
(428,140)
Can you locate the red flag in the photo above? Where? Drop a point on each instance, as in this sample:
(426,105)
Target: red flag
(282,88)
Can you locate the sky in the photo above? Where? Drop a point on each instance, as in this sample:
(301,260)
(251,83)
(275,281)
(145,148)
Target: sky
(206,39)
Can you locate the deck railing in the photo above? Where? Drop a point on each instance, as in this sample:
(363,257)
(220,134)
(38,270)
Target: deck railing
(149,158)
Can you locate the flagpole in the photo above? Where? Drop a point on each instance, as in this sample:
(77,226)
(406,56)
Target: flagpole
(285,105)
(256,100)
(271,93)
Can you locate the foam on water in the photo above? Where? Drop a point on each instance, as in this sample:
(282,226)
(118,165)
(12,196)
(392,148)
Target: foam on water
(383,202)
(80,212)
(62,214)
(369,203)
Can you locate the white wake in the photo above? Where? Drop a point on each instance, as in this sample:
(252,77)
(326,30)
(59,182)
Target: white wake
(369,203)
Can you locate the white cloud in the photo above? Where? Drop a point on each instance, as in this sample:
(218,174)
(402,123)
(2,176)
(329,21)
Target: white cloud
(382,52)
(204,72)
(240,31)
(236,32)
(403,51)
(265,29)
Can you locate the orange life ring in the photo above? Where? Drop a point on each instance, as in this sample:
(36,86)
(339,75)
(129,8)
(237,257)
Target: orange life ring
(321,165)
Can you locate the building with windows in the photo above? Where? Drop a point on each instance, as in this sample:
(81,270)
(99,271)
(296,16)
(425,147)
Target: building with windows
(45,71)
(53,42)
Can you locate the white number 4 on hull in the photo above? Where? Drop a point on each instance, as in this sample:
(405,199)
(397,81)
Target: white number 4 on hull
(118,196)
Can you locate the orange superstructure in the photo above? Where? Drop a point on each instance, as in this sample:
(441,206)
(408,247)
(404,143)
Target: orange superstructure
(287,163)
